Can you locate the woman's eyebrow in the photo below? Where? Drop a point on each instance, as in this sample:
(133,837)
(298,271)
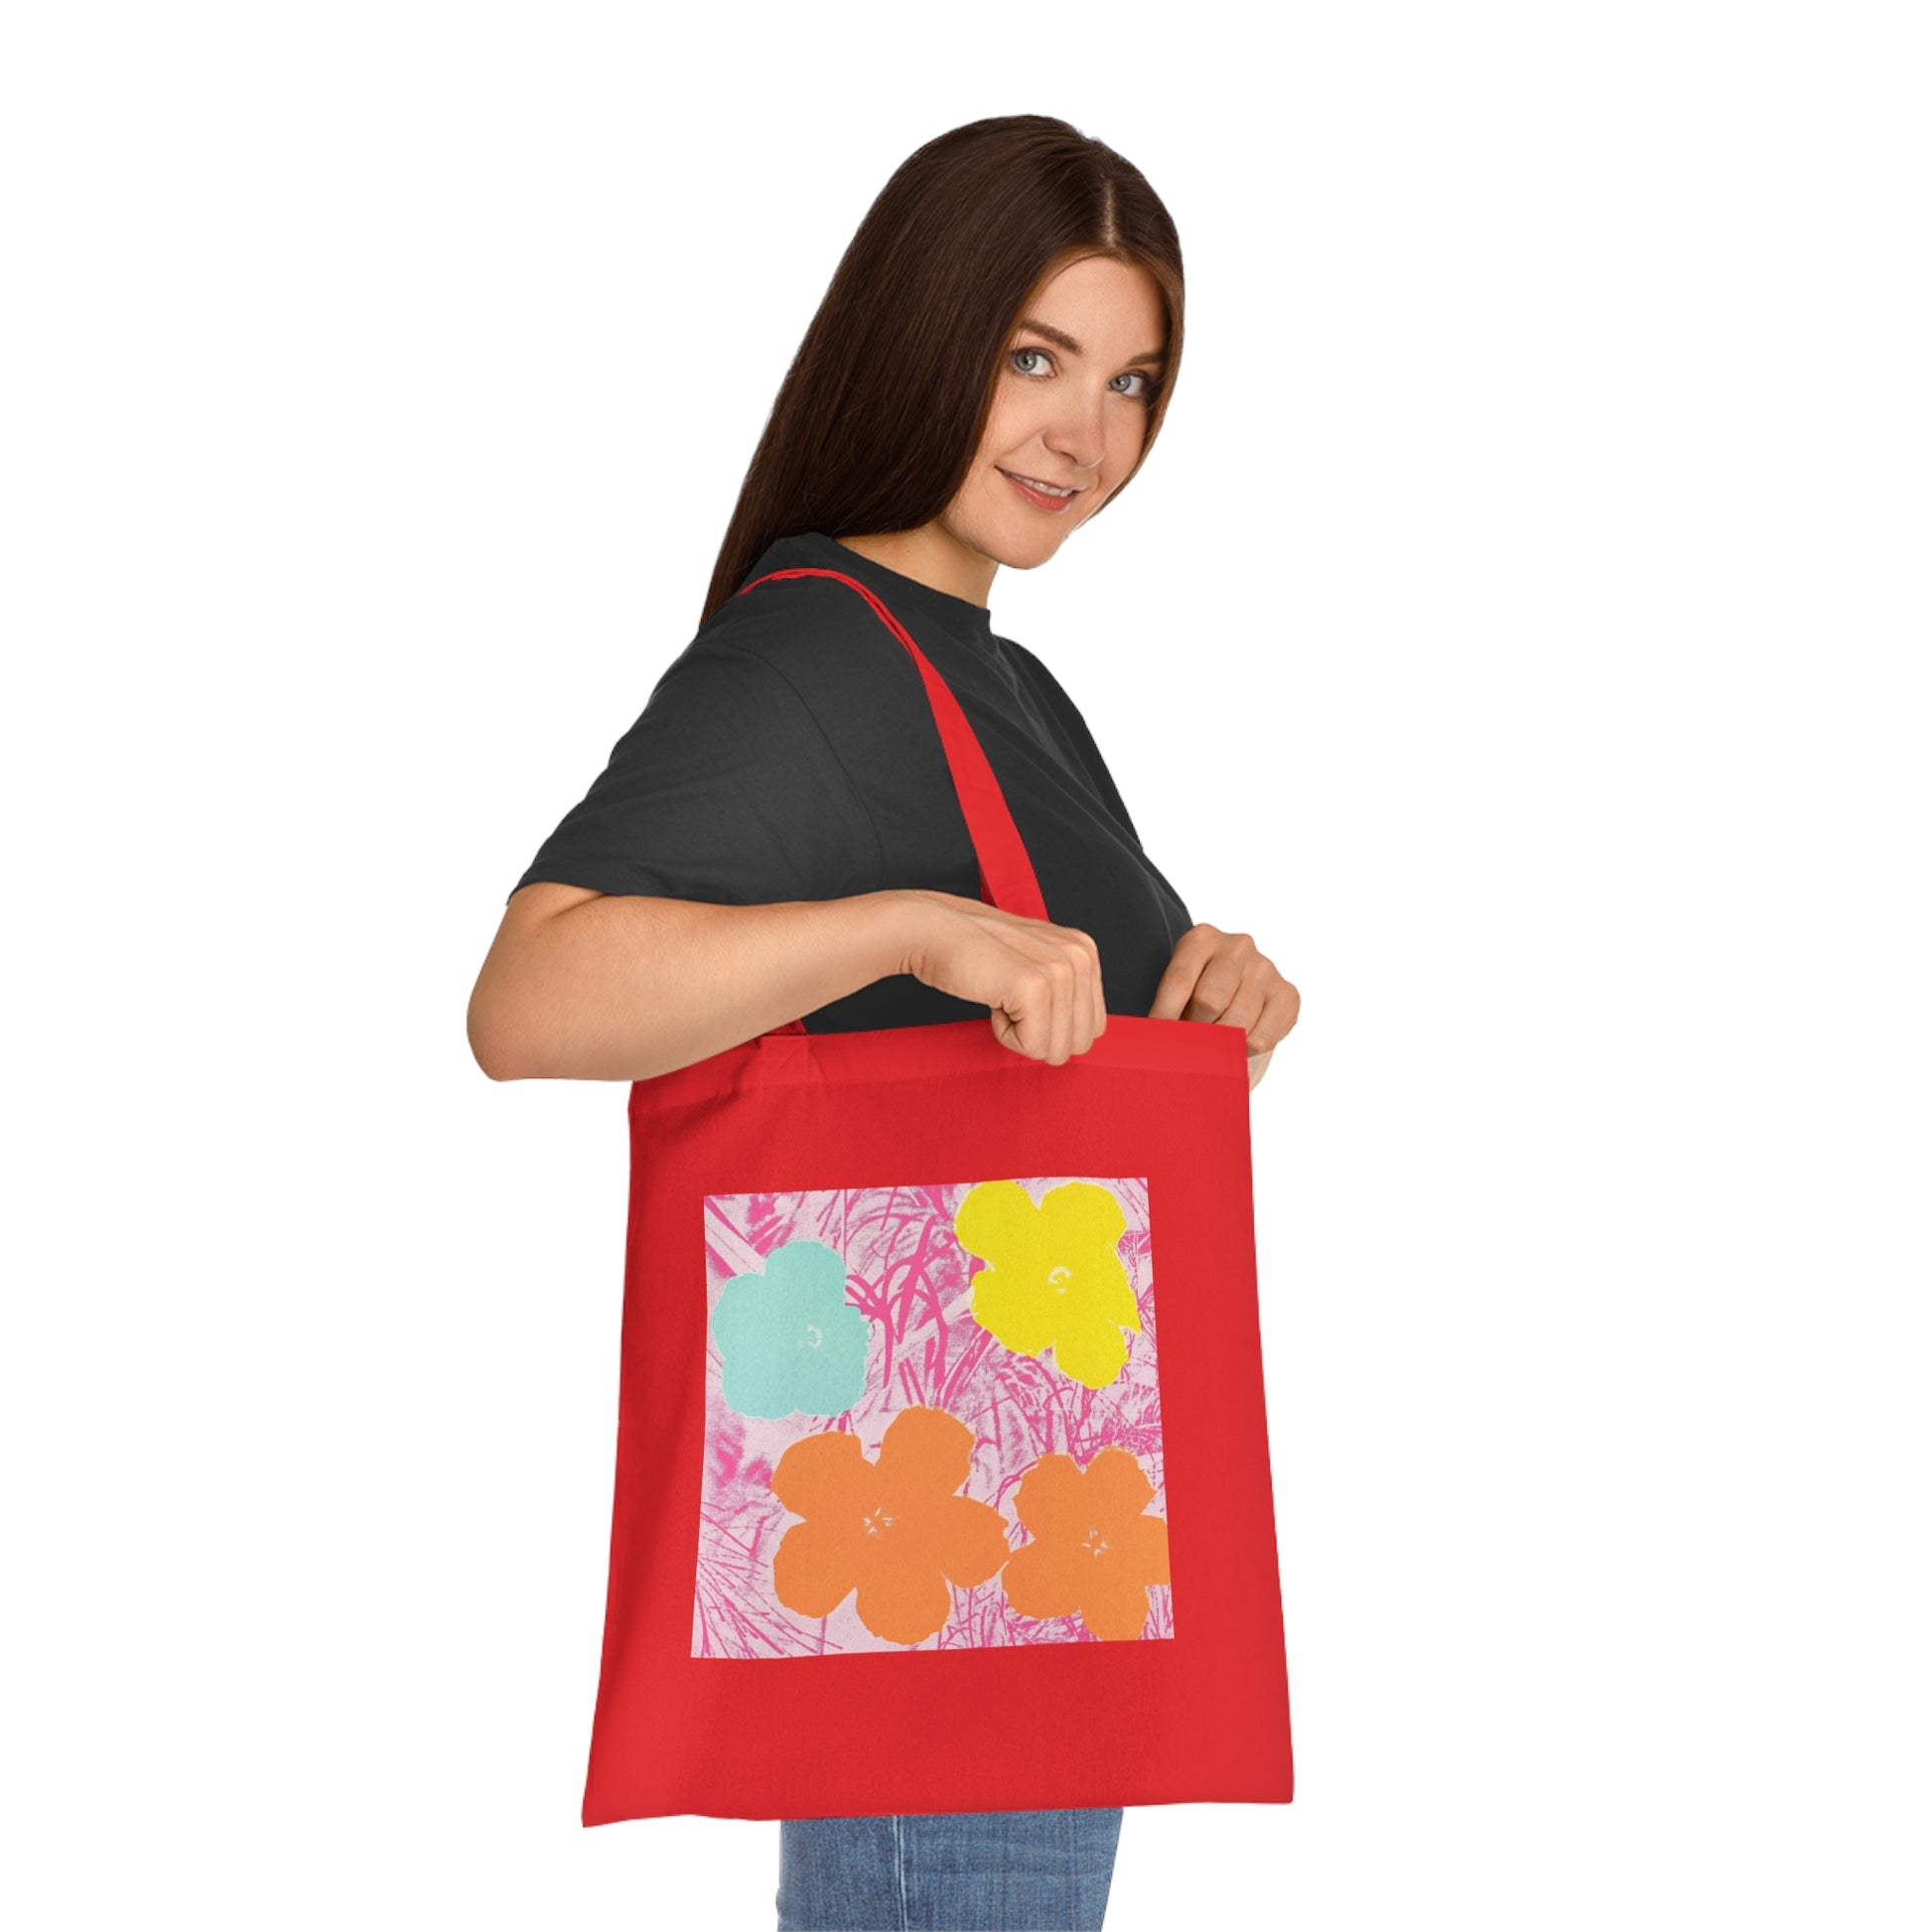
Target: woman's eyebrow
(1061,339)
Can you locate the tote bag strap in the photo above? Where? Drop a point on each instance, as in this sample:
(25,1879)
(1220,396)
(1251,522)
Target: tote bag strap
(1006,878)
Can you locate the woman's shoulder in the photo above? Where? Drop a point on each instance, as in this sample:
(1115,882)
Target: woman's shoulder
(1050,687)
(799,626)
(816,637)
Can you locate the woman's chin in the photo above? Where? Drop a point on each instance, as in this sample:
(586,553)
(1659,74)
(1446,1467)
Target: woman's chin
(1027,546)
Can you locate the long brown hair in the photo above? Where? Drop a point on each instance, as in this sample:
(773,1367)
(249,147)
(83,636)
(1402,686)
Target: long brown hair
(881,411)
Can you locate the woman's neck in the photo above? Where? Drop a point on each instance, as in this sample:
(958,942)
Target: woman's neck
(932,556)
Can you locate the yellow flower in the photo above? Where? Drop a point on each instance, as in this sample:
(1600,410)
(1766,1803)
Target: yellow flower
(1056,1280)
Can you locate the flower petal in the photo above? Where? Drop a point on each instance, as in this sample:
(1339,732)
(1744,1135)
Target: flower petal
(734,1316)
(756,1382)
(1101,1285)
(806,1271)
(1088,1348)
(924,1453)
(1015,1305)
(1078,1214)
(969,1540)
(1115,1603)
(1117,1487)
(825,1474)
(903,1594)
(816,1565)
(1145,1548)
(1051,1499)
(1080,1225)
(997,1217)
(1047,1578)
(829,1376)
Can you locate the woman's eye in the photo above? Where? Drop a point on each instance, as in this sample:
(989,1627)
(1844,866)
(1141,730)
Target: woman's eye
(1039,362)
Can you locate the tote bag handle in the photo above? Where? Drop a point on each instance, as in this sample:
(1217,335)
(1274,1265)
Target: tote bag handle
(1006,878)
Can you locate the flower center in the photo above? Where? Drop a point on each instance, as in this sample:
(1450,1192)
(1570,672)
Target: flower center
(1058,1277)
(1095,1540)
(877,1520)
(816,1334)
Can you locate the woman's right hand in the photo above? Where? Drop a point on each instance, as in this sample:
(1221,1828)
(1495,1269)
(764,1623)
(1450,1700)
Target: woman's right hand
(1041,982)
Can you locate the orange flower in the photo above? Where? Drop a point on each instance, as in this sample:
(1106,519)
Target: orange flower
(896,1527)
(1092,1551)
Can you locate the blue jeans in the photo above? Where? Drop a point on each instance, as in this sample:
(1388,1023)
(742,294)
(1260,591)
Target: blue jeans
(948,1872)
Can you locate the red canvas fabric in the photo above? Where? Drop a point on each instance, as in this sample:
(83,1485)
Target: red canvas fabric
(943,1474)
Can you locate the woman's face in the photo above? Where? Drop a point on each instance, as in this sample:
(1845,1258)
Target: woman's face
(1071,409)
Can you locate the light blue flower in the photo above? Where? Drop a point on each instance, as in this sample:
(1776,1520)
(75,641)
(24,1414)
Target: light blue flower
(790,1341)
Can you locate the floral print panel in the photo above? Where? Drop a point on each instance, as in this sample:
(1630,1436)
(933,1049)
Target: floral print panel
(932,1420)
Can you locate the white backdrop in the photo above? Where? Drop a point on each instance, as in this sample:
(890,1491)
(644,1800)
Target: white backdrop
(1519,629)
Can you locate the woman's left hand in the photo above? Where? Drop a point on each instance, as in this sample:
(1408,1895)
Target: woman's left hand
(1225,977)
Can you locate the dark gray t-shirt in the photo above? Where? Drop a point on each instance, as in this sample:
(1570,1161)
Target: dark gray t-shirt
(790,753)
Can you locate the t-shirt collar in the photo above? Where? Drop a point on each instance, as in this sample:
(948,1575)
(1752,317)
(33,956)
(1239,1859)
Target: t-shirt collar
(905,597)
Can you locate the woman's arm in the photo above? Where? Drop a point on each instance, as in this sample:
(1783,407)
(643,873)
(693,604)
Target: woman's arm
(581,984)
(596,985)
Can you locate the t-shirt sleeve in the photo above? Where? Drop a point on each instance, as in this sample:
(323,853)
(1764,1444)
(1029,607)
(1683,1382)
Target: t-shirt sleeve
(726,790)
(1080,739)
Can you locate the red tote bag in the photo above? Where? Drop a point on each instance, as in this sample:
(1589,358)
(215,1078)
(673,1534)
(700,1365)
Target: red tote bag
(942,1475)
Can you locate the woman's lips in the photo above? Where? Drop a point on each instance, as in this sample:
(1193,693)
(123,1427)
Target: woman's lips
(1037,497)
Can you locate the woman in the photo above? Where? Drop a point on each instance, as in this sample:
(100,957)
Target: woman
(777,834)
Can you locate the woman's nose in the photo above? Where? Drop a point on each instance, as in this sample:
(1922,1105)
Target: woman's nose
(1079,432)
